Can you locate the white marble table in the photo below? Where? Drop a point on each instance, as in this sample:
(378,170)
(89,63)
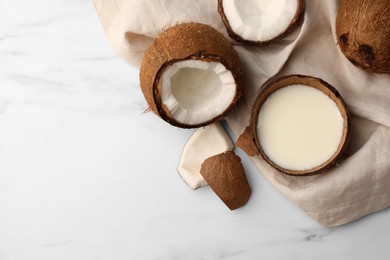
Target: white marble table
(84,174)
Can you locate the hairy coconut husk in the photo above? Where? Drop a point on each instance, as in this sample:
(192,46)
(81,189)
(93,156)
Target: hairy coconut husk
(186,41)
(295,22)
(225,174)
(363,33)
(284,82)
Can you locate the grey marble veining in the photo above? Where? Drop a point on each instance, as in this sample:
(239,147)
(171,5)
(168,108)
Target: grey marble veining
(85,174)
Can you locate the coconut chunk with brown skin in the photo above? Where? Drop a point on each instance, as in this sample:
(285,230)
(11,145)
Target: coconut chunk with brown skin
(226,176)
(260,22)
(246,141)
(191,76)
(204,143)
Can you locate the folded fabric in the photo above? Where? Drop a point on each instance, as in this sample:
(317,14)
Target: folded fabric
(361,184)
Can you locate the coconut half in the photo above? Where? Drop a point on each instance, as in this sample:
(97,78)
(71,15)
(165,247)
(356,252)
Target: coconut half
(226,176)
(260,22)
(191,76)
(313,107)
(204,143)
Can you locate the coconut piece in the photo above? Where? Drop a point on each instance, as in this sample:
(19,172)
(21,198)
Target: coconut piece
(288,81)
(260,22)
(363,33)
(204,143)
(246,141)
(191,75)
(226,176)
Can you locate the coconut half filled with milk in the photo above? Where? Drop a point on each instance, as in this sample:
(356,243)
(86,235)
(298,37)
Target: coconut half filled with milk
(299,125)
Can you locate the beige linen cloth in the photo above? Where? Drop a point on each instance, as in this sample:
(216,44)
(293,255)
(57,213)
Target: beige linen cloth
(361,184)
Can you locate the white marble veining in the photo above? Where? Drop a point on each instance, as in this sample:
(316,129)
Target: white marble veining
(84,174)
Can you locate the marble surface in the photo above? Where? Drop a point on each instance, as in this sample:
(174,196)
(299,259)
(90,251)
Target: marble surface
(85,174)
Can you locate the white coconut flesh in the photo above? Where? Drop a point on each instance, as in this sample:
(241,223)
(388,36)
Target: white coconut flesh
(205,142)
(259,20)
(196,91)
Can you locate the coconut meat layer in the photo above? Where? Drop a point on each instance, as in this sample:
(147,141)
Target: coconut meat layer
(205,142)
(259,20)
(197,91)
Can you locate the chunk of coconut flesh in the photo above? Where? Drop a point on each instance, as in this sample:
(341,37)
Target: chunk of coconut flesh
(204,143)
(196,91)
(259,20)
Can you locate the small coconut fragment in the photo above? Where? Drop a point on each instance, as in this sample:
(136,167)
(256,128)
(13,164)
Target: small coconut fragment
(246,141)
(191,75)
(363,33)
(260,22)
(204,143)
(226,176)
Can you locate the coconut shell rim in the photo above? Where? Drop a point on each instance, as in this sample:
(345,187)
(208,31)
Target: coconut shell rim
(335,159)
(295,22)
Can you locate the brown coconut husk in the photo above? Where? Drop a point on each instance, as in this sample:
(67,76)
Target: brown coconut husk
(187,41)
(249,136)
(363,33)
(247,142)
(225,174)
(295,22)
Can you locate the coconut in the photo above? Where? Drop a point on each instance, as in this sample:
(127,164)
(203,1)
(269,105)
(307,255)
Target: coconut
(191,75)
(225,174)
(204,143)
(363,33)
(260,23)
(247,142)
(253,144)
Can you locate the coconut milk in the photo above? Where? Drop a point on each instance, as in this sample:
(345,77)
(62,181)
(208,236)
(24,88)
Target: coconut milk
(299,127)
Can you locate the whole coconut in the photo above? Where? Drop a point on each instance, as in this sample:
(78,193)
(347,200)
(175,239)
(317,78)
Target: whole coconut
(363,33)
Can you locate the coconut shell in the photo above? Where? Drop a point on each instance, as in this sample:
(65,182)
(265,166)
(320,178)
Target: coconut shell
(186,41)
(297,20)
(363,33)
(316,83)
(247,142)
(225,174)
